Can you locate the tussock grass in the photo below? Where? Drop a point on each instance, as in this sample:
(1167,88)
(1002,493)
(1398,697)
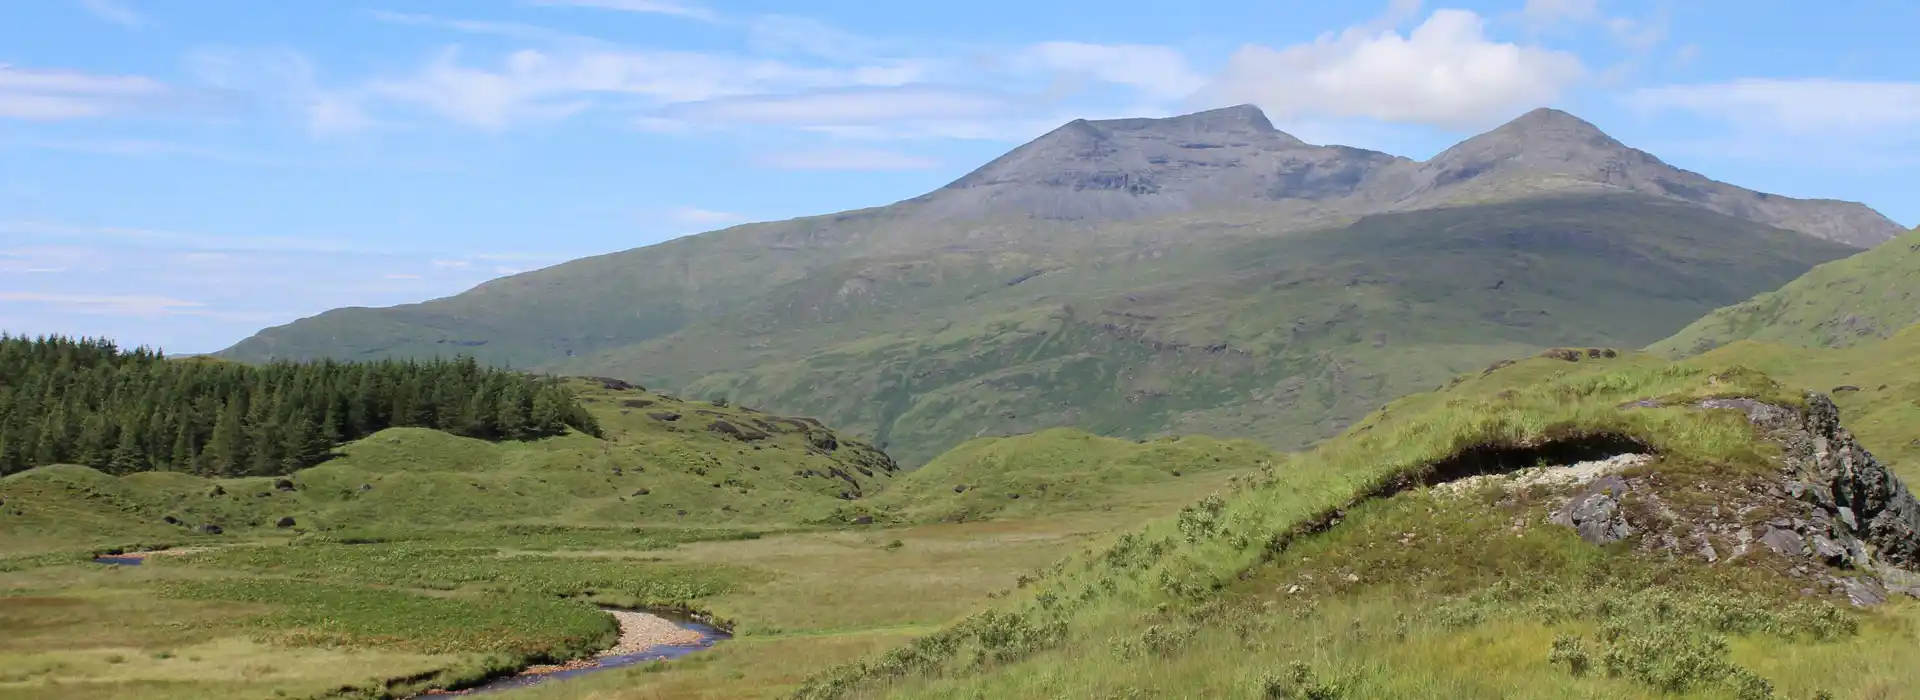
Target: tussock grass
(1170,608)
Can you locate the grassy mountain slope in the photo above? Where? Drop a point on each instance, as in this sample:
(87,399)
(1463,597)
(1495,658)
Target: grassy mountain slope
(1202,273)
(1863,298)
(1877,384)
(1054,471)
(1282,338)
(1320,580)
(707,465)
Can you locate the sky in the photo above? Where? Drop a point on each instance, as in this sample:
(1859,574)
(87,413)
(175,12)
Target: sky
(182,173)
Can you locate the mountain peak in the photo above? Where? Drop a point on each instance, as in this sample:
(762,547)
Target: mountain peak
(1546,125)
(1113,169)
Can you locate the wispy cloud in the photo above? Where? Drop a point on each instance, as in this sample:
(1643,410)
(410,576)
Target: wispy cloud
(115,12)
(1801,105)
(111,305)
(846,159)
(287,79)
(49,95)
(846,106)
(173,239)
(657,7)
(511,30)
(1159,72)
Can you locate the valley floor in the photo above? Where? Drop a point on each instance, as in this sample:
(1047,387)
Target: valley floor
(273,617)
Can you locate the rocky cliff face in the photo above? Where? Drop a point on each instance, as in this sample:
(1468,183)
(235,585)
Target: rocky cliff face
(1833,516)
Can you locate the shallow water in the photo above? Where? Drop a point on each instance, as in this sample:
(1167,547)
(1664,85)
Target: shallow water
(119,560)
(709,636)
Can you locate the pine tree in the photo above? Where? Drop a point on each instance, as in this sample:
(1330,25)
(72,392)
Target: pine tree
(127,456)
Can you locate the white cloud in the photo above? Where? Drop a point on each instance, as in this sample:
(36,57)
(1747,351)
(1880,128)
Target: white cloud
(56,94)
(511,30)
(114,12)
(846,159)
(154,237)
(287,78)
(1158,71)
(1798,105)
(402,276)
(1445,73)
(695,215)
(445,263)
(532,85)
(110,305)
(658,7)
(845,107)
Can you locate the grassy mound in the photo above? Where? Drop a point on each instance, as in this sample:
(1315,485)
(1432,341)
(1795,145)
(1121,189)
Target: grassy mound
(1337,574)
(1054,471)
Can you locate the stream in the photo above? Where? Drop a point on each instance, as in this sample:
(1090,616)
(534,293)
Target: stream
(708,635)
(634,633)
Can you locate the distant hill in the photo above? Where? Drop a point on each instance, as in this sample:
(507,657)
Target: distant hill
(1139,277)
(1861,299)
(663,462)
(1054,471)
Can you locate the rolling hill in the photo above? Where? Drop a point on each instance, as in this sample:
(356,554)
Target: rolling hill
(1860,299)
(1139,277)
(1580,525)
(662,462)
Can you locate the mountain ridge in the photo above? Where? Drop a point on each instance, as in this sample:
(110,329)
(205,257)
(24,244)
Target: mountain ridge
(1131,277)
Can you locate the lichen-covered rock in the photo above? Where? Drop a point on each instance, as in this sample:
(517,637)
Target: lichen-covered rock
(1596,513)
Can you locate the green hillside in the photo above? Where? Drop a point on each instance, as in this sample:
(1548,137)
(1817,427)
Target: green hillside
(662,462)
(1860,299)
(1283,338)
(1055,471)
(1877,384)
(1205,273)
(1350,572)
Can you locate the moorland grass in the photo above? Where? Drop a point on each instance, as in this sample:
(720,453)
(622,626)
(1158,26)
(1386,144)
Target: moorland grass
(1061,632)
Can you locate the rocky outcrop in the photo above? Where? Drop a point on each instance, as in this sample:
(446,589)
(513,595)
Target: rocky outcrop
(1838,518)
(1595,512)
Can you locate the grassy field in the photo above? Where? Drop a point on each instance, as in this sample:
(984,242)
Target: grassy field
(1421,596)
(418,559)
(315,617)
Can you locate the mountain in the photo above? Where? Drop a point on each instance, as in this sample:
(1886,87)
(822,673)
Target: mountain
(1131,168)
(1136,277)
(1550,150)
(1863,298)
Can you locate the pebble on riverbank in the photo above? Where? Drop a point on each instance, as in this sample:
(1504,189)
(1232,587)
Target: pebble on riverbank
(639,630)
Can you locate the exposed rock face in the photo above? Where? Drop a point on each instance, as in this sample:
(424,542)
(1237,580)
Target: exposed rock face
(1129,168)
(1596,513)
(1860,499)
(1832,508)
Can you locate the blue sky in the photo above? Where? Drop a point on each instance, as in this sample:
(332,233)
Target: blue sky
(181,173)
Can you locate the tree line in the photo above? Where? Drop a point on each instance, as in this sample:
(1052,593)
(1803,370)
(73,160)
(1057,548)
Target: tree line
(87,401)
